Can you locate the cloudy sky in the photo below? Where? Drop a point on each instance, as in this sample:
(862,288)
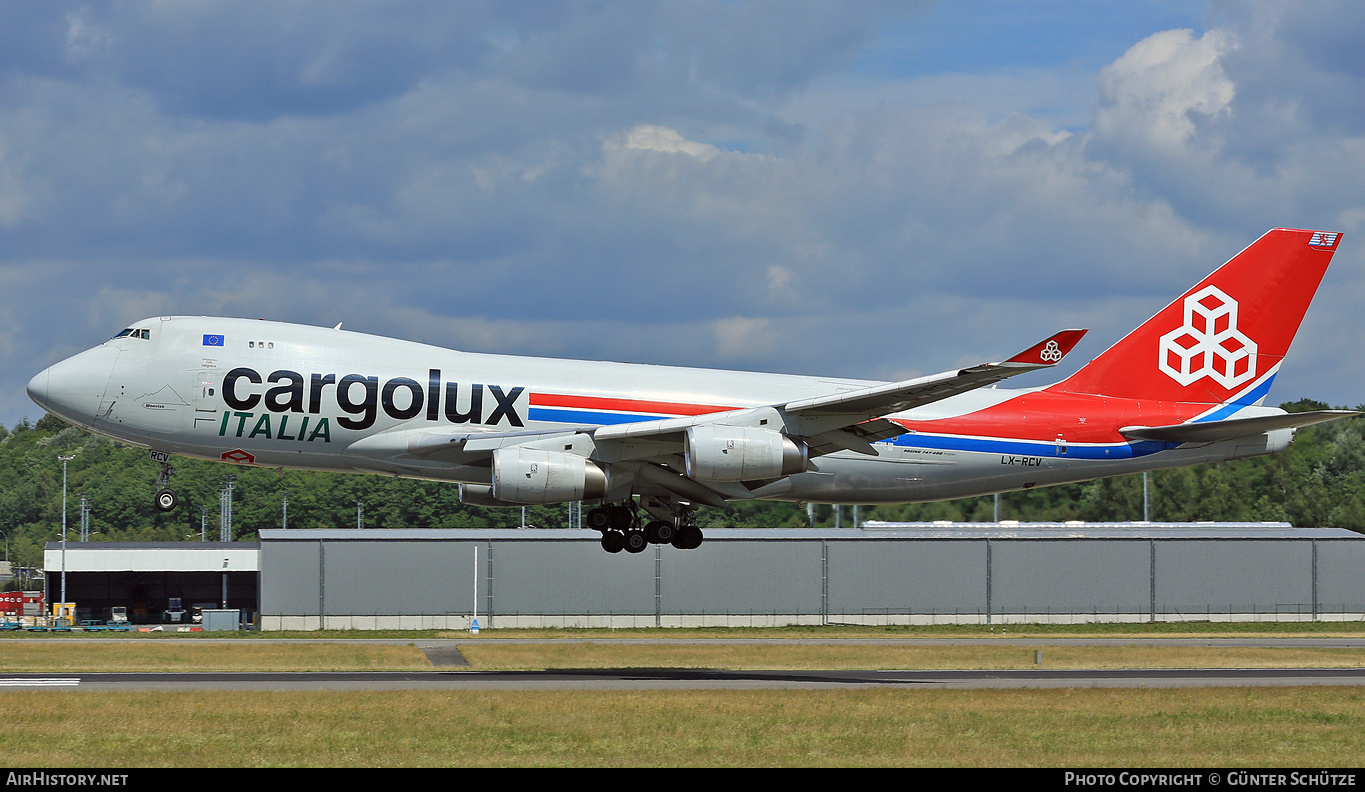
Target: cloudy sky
(854,189)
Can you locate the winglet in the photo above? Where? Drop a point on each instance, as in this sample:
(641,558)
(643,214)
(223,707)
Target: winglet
(1051,350)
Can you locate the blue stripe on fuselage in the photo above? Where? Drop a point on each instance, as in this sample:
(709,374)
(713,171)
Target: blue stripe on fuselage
(1247,399)
(551,415)
(990,445)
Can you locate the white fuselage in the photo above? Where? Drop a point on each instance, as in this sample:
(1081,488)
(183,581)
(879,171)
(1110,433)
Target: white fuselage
(293,396)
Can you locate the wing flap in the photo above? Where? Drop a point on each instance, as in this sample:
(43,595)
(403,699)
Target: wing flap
(424,443)
(858,437)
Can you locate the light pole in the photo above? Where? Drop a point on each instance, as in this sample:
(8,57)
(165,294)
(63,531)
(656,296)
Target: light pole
(225,512)
(11,569)
(64,460)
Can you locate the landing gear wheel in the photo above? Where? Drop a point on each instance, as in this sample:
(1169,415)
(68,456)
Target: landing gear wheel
(636,541)
(660,532)
(166,500)
(613,541)
(598,519)
(688,538)
(621,517)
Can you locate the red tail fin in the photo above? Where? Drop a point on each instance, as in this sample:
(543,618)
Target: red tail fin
(1223,340)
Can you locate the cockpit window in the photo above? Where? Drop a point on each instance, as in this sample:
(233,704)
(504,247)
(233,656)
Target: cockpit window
(135,333)
(127,332)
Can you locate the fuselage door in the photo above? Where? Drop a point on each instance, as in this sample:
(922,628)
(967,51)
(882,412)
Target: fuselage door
(204,395)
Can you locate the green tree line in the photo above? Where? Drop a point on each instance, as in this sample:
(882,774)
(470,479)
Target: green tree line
(1318,482)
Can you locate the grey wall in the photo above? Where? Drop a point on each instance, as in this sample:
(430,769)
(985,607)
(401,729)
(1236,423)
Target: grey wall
(367,573)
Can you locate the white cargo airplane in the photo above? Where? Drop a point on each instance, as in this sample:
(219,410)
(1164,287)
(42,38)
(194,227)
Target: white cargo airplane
(1184,388)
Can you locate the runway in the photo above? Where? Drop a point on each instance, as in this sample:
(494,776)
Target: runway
(687,679)
(450,670)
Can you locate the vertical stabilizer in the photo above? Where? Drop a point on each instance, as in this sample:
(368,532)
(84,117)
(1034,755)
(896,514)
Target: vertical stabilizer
(1222,341)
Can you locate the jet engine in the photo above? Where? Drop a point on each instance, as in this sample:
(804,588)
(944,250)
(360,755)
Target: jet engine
(530,475)
(482,495)
(741,453)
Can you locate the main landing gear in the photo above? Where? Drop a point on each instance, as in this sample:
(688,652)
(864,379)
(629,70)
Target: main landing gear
(621,529)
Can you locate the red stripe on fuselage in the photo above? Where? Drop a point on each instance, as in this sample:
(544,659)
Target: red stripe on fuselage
(1077,418)
(623,405)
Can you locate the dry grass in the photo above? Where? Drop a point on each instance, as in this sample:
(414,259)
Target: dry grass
(133,656)
(150,656)
(1285,727)
(1210,630)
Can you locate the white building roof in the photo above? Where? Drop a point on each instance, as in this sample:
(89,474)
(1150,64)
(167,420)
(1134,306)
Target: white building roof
(153,556)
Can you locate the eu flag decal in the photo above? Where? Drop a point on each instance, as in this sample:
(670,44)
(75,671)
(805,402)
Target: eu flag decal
(213,340)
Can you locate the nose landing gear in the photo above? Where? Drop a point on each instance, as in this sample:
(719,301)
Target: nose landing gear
(166,499)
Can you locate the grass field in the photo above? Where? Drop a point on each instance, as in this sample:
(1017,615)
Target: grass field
(1322,629)
(1253,727)
(144,656)
(1221,727)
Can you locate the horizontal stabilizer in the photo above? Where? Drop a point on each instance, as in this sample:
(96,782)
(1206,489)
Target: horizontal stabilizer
(1212,431)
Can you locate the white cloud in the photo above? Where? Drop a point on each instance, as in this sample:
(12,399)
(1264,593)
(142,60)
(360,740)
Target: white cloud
(656,138)
(1156,94)
(742,337)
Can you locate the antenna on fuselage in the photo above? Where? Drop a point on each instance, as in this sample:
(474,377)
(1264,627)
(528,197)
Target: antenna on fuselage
(338,327)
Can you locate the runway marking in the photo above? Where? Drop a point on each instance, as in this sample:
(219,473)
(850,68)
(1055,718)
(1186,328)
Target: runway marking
(40,682)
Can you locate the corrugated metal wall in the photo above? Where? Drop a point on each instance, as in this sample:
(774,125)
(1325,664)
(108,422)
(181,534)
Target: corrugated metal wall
(381,578)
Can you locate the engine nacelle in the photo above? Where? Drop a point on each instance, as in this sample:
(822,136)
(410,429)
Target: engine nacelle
(482,495)
(741,453)
(530,475)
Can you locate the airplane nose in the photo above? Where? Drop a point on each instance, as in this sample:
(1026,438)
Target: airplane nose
(73,388)
(37,388)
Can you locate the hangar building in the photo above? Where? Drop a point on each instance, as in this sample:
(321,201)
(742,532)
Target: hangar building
(144,576)
(879,574)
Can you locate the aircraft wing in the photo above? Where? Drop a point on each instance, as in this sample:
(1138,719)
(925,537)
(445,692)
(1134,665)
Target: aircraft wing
(851,421)
(816,417)
(899,396)
(1212,431)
